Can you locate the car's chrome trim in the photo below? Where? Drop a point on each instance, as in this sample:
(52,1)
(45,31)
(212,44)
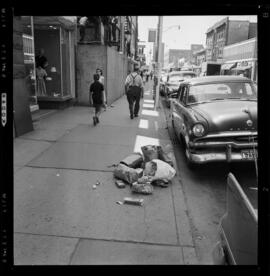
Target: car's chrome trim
(221,156)
(222,144)
(229,134)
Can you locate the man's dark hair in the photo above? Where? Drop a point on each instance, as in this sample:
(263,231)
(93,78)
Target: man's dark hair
(96,77)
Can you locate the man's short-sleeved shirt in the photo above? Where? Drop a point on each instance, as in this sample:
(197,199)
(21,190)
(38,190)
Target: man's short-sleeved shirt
(136,80)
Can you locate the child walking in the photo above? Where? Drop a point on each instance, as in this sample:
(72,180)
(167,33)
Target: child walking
(96,94)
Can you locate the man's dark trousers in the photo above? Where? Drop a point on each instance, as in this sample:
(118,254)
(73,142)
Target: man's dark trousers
(134,97)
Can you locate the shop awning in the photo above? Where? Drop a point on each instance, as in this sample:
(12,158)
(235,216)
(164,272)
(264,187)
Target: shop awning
(228,66)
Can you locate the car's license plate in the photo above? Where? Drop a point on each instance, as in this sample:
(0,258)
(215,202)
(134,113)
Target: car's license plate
(249,154)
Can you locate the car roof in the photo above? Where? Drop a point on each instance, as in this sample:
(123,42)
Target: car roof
(215,79)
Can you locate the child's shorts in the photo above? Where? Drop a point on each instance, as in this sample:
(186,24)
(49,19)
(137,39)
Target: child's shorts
(97,107)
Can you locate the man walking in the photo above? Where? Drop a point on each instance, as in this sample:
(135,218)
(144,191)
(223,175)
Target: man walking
(134,87)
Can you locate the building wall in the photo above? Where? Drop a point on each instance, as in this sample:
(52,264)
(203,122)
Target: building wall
(240,51)
(115,77)
(22,115)
(237,31)
(113,64)
(88,59)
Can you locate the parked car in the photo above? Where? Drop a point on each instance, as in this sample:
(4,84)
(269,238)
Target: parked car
(173,81)
(238,229)
(162,83)
(215,117)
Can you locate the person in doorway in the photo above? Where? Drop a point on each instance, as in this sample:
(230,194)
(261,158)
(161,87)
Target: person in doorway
(133,89)
(96,97)
(41,76)
(41,60)
(82,23)
(101,80)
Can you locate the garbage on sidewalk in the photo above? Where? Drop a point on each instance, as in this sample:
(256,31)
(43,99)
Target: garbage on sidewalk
(126,173)
(159,170)
(120,183)
(151,152)
(161,183)
(133,201)
(144,171)
(134,160)
(139,188)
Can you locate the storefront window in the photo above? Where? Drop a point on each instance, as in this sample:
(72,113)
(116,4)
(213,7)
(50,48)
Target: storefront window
(29,60)
(48,58)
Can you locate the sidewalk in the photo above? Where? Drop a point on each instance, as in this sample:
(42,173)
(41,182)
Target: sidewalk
(60,219)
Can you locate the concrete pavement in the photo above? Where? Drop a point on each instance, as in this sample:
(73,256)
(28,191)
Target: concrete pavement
(60,219)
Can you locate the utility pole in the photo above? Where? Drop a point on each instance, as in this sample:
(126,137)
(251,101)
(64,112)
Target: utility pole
(159,41)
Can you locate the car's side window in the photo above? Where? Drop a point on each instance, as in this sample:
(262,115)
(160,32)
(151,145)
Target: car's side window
(180,93)
(183,94)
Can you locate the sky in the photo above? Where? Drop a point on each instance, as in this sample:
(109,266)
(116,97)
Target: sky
(192,28)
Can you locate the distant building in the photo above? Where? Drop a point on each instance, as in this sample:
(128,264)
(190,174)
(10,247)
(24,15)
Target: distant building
(199,56)
(195,48)
(174,55)
(141,52)
(241,58)
(227,32)
(152,35)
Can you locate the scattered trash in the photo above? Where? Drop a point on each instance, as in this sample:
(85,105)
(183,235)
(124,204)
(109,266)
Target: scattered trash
(134,160)
(144,179)
(98,183)
(143,171)
(145,189)
(150,168)
(126,173)
(161,183)
(120,202)
(160,169)
(139,172)
(94,187)
(120,184)
(162,155)
(133,201)
(150,152)
(57,174)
